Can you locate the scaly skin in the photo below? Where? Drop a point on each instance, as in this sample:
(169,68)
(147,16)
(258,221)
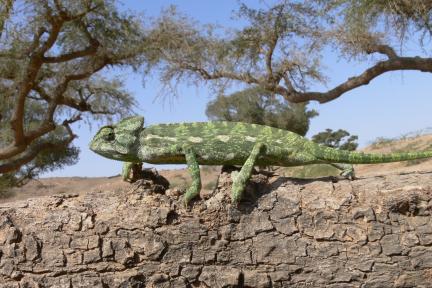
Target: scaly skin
(224,143)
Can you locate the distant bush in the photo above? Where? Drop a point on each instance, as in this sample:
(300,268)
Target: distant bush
(6,182)
(382,141)
(259,106)
(340,139)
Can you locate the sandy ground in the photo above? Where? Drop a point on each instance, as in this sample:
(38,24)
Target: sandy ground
(180,178)
(80,185)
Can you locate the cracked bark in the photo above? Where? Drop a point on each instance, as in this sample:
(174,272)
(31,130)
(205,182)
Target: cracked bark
(372,232)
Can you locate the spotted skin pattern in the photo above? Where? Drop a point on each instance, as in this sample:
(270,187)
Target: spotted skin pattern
(224,143)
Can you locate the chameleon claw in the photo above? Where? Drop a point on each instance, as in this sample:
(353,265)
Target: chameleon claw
(185,203)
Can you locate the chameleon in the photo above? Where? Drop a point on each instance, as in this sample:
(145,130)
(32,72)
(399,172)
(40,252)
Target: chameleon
(224,143)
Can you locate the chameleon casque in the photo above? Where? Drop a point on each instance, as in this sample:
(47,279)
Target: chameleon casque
(224,143)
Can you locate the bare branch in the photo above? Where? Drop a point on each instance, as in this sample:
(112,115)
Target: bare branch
(41,91)
(32,151)
(90,50)
(393,64)
(13,149)
(48,124)
(245,77)
(28,81)
(11,55)
(273,41)
(71,56)
(26,157)
(269,57)
(383,49)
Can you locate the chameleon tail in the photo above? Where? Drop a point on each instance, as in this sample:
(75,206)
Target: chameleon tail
(342,156)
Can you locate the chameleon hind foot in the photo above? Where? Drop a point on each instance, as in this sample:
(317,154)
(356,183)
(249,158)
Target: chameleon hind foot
(240,178)
(347,170)
(193,167)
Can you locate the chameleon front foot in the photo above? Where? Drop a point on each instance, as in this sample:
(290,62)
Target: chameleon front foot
(126,171)
(131,171)
(191,193)
(193,167)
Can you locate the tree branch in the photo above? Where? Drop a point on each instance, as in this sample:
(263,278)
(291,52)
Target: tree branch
(28,81)
(272,46)
(382,49)
(71,56)
(35,63)
(245,77)
(32,151)
(393,64)
(269,57)
(6,13)
(90,50)
(26,157)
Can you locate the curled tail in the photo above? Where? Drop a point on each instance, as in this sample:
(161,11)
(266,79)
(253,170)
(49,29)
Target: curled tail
(342,156)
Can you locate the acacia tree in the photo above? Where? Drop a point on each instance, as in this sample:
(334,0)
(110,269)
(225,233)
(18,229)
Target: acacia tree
(256,105)
(52,58)
(340,139)
(280,47)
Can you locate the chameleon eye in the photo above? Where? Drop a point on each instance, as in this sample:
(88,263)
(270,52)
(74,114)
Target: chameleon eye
(109,136)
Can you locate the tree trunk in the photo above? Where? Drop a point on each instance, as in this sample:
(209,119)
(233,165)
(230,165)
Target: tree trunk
(371,232)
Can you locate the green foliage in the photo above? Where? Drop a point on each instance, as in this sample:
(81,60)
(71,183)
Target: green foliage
(397,15)
(63,80)
(340,139)
(46,161)
(256,105)
(6,182)
(364,26)
(280,46)
(283,34)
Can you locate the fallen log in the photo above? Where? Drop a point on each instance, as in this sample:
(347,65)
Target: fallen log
(371,232)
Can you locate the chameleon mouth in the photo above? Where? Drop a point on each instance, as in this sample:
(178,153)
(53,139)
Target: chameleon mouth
(95,146)
(105,150)
(110,155)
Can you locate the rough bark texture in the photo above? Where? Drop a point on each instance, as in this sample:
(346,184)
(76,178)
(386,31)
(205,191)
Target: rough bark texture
(372,232)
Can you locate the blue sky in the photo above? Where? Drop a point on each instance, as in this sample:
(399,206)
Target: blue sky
(389,106)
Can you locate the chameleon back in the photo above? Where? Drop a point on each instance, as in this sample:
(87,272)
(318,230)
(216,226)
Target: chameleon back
(217,143)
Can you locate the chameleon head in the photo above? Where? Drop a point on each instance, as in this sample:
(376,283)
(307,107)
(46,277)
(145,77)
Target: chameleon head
(118,141)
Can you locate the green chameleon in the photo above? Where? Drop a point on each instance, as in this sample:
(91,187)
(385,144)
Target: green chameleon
(224,143)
